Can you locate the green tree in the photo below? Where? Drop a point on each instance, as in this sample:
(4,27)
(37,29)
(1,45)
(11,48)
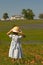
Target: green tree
(28,13)
(41,16)
(5,16)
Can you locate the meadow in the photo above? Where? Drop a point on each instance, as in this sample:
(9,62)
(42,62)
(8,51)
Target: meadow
(32,44)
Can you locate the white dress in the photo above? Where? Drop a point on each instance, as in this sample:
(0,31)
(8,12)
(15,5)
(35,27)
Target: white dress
(15,47)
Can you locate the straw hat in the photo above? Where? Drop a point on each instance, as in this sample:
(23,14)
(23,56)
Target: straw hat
(16,29)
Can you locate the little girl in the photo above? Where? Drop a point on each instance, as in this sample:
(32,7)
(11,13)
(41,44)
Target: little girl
(15,51)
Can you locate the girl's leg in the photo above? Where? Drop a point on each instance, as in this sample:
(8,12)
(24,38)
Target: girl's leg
(13,59)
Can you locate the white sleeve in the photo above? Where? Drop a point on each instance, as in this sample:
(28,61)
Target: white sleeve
(20,36)
(10,35)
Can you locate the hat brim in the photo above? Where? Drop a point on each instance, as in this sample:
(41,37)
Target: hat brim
(18,32)
(15,31)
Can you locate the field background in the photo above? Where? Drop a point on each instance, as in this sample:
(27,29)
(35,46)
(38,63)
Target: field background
(32,44)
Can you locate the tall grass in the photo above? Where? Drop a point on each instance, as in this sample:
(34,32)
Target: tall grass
(32,53)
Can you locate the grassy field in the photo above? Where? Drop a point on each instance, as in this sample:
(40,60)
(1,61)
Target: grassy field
(32,44)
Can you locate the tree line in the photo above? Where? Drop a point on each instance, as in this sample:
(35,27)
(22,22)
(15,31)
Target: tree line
(27,13)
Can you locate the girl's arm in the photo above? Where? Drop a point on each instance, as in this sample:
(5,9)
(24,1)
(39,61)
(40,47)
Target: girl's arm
(22,34)
(9,32)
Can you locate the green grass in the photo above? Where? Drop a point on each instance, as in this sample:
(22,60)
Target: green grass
(32,53)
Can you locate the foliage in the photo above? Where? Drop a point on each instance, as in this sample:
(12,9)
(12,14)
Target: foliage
(41,16)
(5,15)
(28,14)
